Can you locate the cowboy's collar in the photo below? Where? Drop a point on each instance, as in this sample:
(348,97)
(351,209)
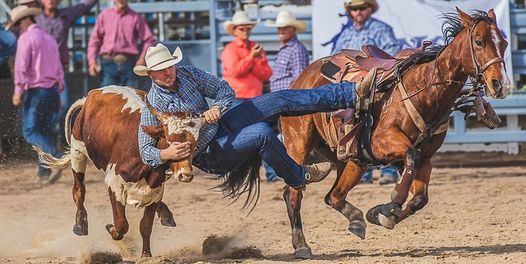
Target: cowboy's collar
(124,12)
(291,42)
(365,25)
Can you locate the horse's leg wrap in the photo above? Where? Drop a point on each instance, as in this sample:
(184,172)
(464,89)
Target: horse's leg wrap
(401,190)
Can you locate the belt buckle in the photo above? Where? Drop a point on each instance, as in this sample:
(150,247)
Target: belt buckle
(119,59)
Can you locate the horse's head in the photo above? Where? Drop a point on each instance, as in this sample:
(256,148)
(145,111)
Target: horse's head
(176,127)
(487,46)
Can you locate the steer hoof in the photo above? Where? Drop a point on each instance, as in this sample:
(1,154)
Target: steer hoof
(168,221)
(114,234)
(358,228)
(146,255)
(303,253)
(80,230)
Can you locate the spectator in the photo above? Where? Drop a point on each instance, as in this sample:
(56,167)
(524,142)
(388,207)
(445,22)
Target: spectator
(7,45)
(290,61)
(114,37)
(245,65)
(38,73)
(57,22)
(367,30)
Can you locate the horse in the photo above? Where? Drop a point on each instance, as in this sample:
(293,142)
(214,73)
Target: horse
(431,82)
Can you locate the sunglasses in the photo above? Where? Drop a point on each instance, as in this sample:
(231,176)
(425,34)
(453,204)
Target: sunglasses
(362,8)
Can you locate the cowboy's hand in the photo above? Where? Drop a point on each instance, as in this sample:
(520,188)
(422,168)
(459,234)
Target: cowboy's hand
(176,151)
(212,115)
(94,70)
(17,99)
(256,51)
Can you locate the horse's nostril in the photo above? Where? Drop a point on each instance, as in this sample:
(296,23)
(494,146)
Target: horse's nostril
(497,85)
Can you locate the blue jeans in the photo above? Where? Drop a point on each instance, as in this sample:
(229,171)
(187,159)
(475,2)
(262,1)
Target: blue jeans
(37,125)
(118,74)
(7,44)
(385,171)
(244,131)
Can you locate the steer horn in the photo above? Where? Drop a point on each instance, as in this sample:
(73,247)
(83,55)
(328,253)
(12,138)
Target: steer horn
(157,114)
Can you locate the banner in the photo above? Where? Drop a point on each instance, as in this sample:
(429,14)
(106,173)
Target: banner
(413,21)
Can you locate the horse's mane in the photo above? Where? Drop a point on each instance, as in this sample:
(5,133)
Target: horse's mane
(450,28)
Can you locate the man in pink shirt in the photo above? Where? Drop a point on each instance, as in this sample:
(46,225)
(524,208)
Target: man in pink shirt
(38,74)
(114,38)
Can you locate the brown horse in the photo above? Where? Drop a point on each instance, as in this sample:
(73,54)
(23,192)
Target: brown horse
(474,48)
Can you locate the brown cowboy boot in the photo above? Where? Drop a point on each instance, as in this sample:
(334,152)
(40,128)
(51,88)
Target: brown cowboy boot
(363,88)
(317,172)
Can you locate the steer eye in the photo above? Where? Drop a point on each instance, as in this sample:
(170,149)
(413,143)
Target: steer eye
(478,42)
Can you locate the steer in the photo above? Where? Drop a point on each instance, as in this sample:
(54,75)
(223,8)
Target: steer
(105,131)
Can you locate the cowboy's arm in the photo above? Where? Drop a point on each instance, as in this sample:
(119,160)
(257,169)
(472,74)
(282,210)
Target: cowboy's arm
(214,88)
(22,65)
(95,41)
(75,12)
(146,36)
(234,66)
(388,42)
(150,154)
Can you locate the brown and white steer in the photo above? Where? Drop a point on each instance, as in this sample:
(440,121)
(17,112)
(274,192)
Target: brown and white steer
(105,131)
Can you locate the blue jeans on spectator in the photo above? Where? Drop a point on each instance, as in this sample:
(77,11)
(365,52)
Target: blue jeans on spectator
(244,130)
(118,74)
(40,105)
(385,172)
(7,44)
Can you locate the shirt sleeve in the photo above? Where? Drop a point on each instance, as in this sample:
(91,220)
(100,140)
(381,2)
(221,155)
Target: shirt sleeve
(95,40)
(388,42)
(150,154)
(300,61)
(214,88)
(233,65)
(261,69)
(78,10)
(145,35)
(22,64)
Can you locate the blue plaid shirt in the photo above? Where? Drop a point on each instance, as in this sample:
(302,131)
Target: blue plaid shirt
(291,59)
(374,32)
(193,85)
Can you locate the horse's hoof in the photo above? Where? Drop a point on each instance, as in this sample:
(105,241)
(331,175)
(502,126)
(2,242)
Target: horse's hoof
(168,221)
(303,253)
(80,230)
(372,215)
(358,228)
(386,221)
(109,227)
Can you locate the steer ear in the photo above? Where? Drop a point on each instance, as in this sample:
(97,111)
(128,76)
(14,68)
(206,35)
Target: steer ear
(154,131)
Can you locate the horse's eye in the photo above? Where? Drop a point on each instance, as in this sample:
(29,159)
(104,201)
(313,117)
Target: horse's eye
(478,42)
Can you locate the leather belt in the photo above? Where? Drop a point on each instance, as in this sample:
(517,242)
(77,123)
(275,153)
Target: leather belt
(119,58)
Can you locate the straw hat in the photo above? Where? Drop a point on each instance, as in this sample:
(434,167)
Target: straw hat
(239,18)
(20,12)
(158,58)
(25,2)
(287,19)
(359,3)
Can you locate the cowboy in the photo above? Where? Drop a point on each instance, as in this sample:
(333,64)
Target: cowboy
(115,38)
(243,131)
(38,74)
(367,30)
(57,22)
(290,61)
(245,65)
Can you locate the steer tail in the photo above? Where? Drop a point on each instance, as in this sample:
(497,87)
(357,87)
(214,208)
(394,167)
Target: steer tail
(67,126)
(61,163)
(49,161)
(243,179)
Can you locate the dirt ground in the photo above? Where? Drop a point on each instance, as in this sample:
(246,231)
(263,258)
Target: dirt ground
(474,215)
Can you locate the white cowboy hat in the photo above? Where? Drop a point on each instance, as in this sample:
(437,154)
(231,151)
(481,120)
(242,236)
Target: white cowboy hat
(239,18)
(287,19)
(158,58)
(25,2)
(20,12)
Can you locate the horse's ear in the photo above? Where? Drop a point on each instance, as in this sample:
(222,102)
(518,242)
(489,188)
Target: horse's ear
(467,20)
(491,13)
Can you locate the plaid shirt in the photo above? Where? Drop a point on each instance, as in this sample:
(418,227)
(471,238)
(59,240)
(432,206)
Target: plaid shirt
(193,85)
(374,32)
(291,59)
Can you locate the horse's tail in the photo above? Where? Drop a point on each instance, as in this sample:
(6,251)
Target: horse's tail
(243,179)
(67,126)
(63,162)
